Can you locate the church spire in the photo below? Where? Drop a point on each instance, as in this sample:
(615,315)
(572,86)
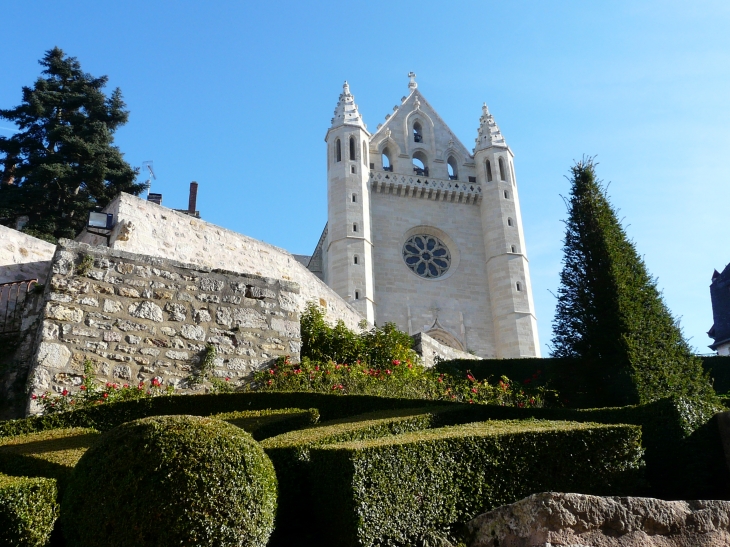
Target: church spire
(346,112)
(489,133)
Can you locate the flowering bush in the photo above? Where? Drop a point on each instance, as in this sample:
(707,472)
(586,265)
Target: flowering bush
(399,379)
(92,394)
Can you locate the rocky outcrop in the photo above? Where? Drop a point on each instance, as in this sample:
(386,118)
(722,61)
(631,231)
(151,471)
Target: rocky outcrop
(556,519)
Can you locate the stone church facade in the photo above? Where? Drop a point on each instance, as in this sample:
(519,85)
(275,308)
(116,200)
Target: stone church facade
(423,233)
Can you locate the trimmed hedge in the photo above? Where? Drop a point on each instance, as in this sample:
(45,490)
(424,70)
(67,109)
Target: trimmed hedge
(51,454)
(718,366)
(28,511)
(171,480)
(569,377)
(290,455)
(684,455)
(262,424)
(414,488)
(108,416)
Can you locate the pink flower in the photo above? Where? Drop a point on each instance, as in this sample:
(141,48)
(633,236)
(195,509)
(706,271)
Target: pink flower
(34,397)
(396,362)
(387,371)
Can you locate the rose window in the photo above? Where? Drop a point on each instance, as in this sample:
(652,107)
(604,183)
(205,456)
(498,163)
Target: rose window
(427,256)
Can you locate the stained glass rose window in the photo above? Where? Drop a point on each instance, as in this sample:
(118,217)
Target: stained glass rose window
(427,256)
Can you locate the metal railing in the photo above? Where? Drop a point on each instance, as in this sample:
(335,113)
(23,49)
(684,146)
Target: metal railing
(12,302)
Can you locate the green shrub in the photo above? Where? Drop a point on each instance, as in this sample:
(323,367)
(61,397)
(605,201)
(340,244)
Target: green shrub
(174,480)
(400,379)
(718,367)
(290,454)
(51,454)
(262,424)
(375,348)
(28,510)
(412,488)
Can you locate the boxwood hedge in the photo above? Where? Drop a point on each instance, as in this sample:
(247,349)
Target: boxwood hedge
(290,455)
(51,454)
(108,416)
(171,480)
(262,424)
(412,488)
(28,510)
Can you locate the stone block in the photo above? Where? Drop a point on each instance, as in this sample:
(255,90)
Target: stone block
(112,306)
(202,316)
(192,332)
(211,285)
(146,310)
(63,313)
(177,312)
(52,355)
(127,292)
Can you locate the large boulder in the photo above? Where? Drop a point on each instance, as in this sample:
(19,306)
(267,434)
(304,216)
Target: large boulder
(574,520)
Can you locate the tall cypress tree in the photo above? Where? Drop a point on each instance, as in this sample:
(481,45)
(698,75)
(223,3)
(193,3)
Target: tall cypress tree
(62,162)
(610,314)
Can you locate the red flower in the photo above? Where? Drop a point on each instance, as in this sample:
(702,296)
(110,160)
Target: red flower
(33,397)
(527,381)
(520,405)
(64,392)
(271,371)
(106,395)
(441,380)
(396,362)
(270,382)
(83,388)
(470,377)
(228,379)
(473,390)
(387,371)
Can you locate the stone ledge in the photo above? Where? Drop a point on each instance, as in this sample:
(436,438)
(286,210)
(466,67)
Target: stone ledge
(558,519)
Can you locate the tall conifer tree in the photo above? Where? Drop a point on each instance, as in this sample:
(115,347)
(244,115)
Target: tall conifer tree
(62,162)
(610,314)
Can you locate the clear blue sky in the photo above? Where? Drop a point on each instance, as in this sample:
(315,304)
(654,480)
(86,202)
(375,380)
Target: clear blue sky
(238,96)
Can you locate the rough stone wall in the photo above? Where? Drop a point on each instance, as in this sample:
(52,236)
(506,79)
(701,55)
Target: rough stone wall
(23,256)
(432,350)
(144,227)
(136,317)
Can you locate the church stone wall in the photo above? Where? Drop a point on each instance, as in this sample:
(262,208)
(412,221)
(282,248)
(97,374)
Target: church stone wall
(23,256)
(432,351)
(137,317)
(145,227)
(459,299)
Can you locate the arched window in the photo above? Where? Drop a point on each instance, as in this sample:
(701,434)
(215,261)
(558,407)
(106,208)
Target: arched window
(354,227)
(518,286)
(364,153)
(489,171)
(357,295)
(420,163)
(354,198)
(451,166)
(506,194)
(514,249)
(501,169)
(509,222)
(387,165)
(352,149)
(354,259)
(338,150)
(417,132)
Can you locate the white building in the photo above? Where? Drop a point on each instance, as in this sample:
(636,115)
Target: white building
(425,234)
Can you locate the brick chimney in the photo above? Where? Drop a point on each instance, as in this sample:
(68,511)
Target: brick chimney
(192,202)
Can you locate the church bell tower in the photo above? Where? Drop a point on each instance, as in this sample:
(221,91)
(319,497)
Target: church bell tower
(510,290)
(349,253)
